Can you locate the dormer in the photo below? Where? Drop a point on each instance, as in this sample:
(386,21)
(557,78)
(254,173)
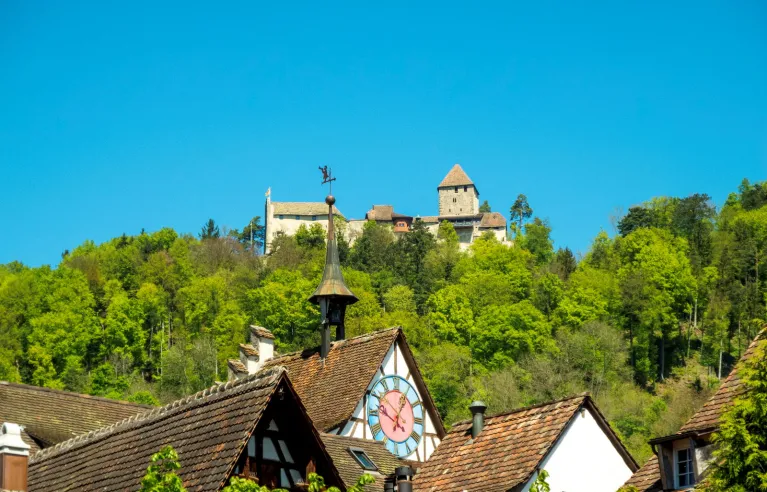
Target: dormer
(683,458)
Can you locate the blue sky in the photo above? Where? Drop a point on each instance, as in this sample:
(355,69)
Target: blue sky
(115,118)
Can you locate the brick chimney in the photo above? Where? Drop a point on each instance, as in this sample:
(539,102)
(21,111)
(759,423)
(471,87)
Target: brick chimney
(14,455)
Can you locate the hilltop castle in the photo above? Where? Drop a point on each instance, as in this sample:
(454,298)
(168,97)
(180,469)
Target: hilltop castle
(458,203)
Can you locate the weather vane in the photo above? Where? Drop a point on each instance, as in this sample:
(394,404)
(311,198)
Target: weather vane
(327,177)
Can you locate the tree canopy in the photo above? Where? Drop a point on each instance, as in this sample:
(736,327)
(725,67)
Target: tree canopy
(648,321)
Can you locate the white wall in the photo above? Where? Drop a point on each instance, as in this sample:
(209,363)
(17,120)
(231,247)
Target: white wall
(584,460)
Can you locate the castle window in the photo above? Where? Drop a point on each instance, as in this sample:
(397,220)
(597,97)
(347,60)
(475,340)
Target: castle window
(465,188)
(456,189)
(314,217)
(298,217)
(282,217)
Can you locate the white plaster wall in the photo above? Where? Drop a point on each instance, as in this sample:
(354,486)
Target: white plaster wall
(584,460)
(362,430)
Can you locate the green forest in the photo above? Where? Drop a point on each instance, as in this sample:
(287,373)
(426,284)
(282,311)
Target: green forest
(648,320)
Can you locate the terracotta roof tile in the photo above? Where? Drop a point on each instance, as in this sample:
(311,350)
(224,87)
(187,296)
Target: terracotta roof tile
(50,416)
(380,212)
(303,208)
(331,389)
(208,430)
(492,219)
(350,469)
(647,478)
(505,454)
(456,177)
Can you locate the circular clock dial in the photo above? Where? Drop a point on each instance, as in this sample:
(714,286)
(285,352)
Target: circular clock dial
(395,415)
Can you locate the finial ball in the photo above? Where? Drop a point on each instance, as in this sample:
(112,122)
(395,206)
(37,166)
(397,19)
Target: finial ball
(330,199)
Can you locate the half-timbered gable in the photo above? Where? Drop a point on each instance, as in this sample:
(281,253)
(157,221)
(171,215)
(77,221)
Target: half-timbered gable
(337,390)
(255,427)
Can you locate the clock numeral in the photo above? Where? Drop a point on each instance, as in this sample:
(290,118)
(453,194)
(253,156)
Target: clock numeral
(407,448)
(396,383)
(374,413)
(417,420)
(385,384)
(416,403)
(385,440)
(376,428)
(415,436)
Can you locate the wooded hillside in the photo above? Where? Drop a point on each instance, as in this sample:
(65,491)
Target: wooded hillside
(646,321)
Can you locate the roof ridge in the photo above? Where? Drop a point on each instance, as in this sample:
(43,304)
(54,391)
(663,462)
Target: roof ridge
(268,376)
(338,343)
(585,395)
(455,177)
(73,394)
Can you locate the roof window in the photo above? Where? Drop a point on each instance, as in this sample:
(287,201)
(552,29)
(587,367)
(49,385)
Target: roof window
(363,459)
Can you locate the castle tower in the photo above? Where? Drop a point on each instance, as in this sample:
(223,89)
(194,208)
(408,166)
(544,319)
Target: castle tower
(457,194)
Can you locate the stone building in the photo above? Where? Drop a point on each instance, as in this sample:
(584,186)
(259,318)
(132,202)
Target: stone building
(287,217)
(457,194)
(458,203)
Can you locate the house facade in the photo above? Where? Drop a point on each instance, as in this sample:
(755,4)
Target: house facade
(682,459)
(569,438)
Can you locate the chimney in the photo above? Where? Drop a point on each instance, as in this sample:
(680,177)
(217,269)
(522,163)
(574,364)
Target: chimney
(260,349)
(14,454)
(478,417)
(404,476)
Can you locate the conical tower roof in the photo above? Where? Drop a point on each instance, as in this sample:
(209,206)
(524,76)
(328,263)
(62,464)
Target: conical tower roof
(332,284)
(456,177)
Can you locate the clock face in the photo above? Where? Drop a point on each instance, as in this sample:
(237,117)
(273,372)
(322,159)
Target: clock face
(395,415)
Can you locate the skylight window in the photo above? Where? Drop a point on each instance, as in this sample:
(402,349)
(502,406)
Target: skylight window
(363,459)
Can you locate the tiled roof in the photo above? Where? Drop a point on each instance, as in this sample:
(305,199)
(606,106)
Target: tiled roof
(647,478)
(330,389)
(507,451)
(708,416)
(350,469)
(430,219)
(705,419)
(208,430)
(380,212)
(50,416)
(262,332)
(492,219)
(303,208)
(456,177)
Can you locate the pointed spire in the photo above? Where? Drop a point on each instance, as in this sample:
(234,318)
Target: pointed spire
(332,294)
(332,284)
